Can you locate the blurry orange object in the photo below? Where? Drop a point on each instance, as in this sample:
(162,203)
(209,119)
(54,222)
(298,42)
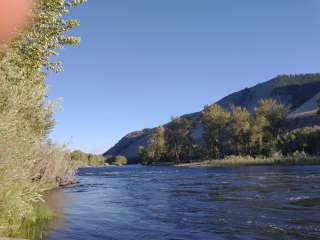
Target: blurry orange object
(14,15)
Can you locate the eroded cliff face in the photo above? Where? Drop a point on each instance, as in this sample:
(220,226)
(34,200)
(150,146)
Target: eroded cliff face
(299,93)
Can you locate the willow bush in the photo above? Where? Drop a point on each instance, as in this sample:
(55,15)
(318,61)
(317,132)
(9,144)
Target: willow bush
(29,163)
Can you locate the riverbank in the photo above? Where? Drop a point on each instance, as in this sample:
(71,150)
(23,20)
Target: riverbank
(66,182)
(234,161)
(38,217)
(11,238)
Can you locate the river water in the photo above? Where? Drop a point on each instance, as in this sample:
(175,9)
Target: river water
(151,203)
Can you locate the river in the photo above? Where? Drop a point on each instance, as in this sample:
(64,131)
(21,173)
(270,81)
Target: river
(160,203)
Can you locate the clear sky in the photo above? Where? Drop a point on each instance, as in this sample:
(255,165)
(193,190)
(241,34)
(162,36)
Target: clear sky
(143,61)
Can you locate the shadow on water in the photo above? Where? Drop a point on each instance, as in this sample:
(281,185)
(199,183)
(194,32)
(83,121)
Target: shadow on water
(137,202)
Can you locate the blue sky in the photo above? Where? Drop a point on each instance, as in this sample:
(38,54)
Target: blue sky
(142,61)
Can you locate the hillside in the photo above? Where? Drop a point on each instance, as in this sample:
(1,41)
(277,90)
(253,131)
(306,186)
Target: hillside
(299,93)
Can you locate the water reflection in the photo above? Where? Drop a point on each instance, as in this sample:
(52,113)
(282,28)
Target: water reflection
(51,212)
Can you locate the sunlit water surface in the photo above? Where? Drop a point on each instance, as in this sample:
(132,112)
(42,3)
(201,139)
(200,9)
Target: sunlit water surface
(151,203)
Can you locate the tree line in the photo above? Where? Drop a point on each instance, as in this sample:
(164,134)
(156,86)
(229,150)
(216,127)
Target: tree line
(118,160)
(83,159)
(236,132)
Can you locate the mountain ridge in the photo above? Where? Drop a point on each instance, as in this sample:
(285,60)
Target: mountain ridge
(299,93)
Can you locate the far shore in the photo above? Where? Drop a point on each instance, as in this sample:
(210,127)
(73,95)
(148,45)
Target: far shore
(236,161)
(232,161)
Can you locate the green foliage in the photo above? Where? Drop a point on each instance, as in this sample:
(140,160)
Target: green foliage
(121,160)
(233,161)
(239,127)
(172,143)
(262,135)
(296,88)
(26,170)
(95,160)
(238,133)
(157,144)
(156,147)
(143,155)
(198,152)
(45,36)
(296,79)
(296,156)
(29,162)
(32,227)
(82,159)
(300,140)
(215,121)
(178,139)
(117,160)
(269,121)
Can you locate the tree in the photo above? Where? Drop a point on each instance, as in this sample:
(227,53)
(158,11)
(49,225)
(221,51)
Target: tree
(269,121)
(95,160)
(275,113)
(178,138)
(300,140)
(143,154)
(29,162)
(318,103)
(117,160)
(239,128)
(86,159)
(156,146)
(257,133)
(215,121)
(46,35)
(120,160)
(27,61)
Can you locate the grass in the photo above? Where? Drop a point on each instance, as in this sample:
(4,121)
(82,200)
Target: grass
(234,161)
(32,227)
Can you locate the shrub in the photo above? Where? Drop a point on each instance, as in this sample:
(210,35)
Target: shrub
(299,156)
(120,160)
(301,140)
(117,160)
(29,163)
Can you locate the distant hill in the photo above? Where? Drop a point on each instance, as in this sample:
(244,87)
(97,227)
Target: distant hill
(299,93)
